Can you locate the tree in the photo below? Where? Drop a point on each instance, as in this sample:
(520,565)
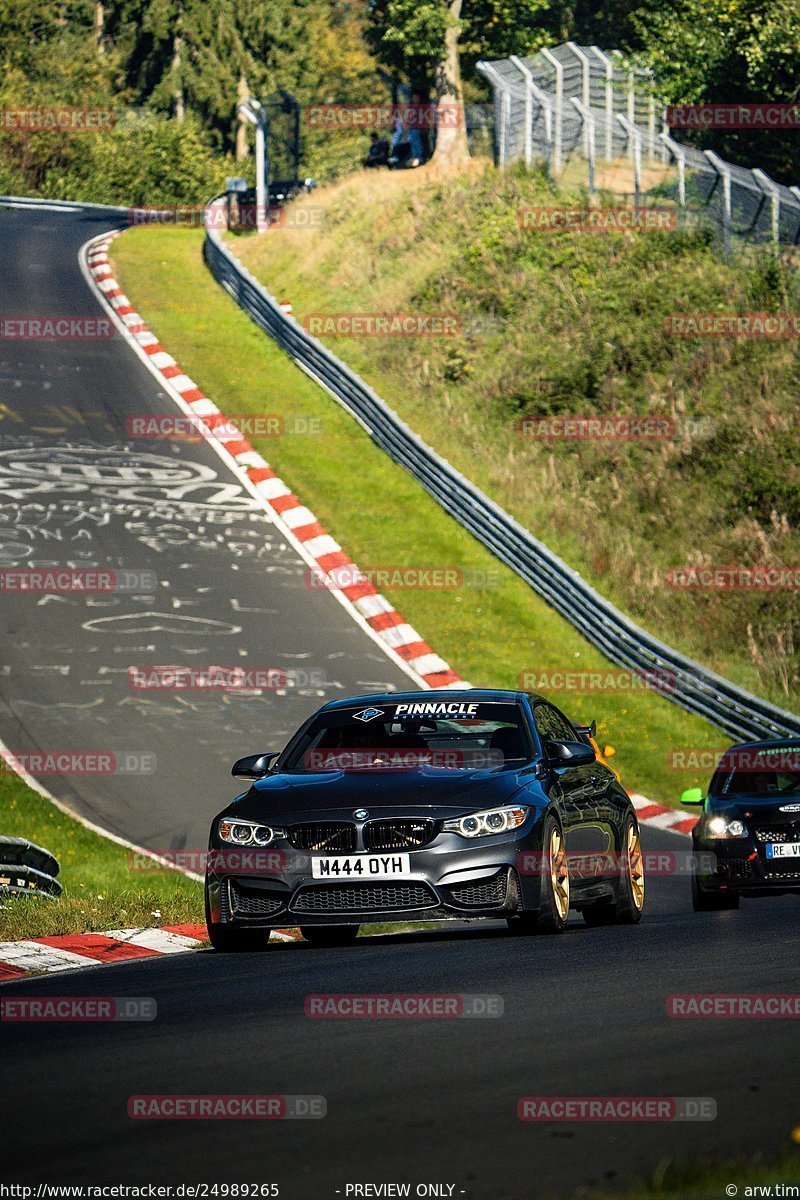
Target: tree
(426,43)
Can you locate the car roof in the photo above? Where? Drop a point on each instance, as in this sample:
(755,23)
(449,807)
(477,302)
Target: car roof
(470,695)
(773,744)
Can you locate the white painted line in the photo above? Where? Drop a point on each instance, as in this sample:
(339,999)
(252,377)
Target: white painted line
(297,516)
(373,606)
(162,359)
(323,544)
(399,635)
(32,956)
(272,488)
(59,208)
(161,941)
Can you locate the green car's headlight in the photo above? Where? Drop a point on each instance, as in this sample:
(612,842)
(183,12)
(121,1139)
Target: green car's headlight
(721,827)
(483,824)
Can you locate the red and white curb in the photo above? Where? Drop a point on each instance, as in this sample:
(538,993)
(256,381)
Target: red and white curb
(661,817)
(65,952)
(399,639)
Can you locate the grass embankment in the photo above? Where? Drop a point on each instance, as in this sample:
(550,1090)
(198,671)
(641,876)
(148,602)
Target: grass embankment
(382,516)
(574,325)
(101,891)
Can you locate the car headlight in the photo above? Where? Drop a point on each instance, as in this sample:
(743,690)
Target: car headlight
(721,827)
(246,833)
(482,824)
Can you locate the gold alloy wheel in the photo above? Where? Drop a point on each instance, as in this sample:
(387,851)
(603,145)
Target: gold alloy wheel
(559,872)
(635,867)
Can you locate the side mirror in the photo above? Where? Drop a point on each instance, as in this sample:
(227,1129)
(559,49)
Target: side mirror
(252,766)
(693,796)
(569,754)
(588,731)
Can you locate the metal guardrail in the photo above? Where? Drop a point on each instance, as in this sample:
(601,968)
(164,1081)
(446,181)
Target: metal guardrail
(27,869)
(696,689)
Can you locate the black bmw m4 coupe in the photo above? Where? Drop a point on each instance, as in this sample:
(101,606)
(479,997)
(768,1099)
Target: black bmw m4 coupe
(424,806)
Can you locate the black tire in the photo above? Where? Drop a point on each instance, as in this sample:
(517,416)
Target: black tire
(713,900)
(628,906)
(330,935)
(551,917)
(631,891)
(524,924)
(597,915)
(228,939)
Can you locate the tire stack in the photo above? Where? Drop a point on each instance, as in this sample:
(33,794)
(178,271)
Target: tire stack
(27,869)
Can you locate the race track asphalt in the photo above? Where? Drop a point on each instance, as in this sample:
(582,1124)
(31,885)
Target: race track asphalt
(76,489)
(420,1101)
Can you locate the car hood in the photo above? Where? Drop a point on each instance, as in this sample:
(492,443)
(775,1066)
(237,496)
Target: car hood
(775,808)
(386,793)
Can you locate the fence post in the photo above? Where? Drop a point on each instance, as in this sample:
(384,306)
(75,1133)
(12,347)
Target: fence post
(583,59)
(796,193)
(527,75)
(608,67)
(501,92)
(555,165)
(664,134)
(771,188)
(680,157)
(723,170)
(635,144)
(588,127)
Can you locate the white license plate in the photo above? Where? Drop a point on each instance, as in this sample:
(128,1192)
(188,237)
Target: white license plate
(361,866)
(783,849)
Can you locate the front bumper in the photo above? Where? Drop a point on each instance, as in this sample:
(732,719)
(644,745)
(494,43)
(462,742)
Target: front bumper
(448,880)
(742,865)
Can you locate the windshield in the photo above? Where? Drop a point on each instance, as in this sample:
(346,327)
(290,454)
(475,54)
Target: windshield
(773,771)
(412,735)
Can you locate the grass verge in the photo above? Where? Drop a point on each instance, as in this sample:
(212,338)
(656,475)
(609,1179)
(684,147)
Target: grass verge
(491,634)
(557,324)
(100,890)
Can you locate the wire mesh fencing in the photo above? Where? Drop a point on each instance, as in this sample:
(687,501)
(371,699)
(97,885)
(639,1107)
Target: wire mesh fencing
(579,104)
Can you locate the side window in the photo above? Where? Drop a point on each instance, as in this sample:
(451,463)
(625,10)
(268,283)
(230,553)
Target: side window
(563,730)
(542,716)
